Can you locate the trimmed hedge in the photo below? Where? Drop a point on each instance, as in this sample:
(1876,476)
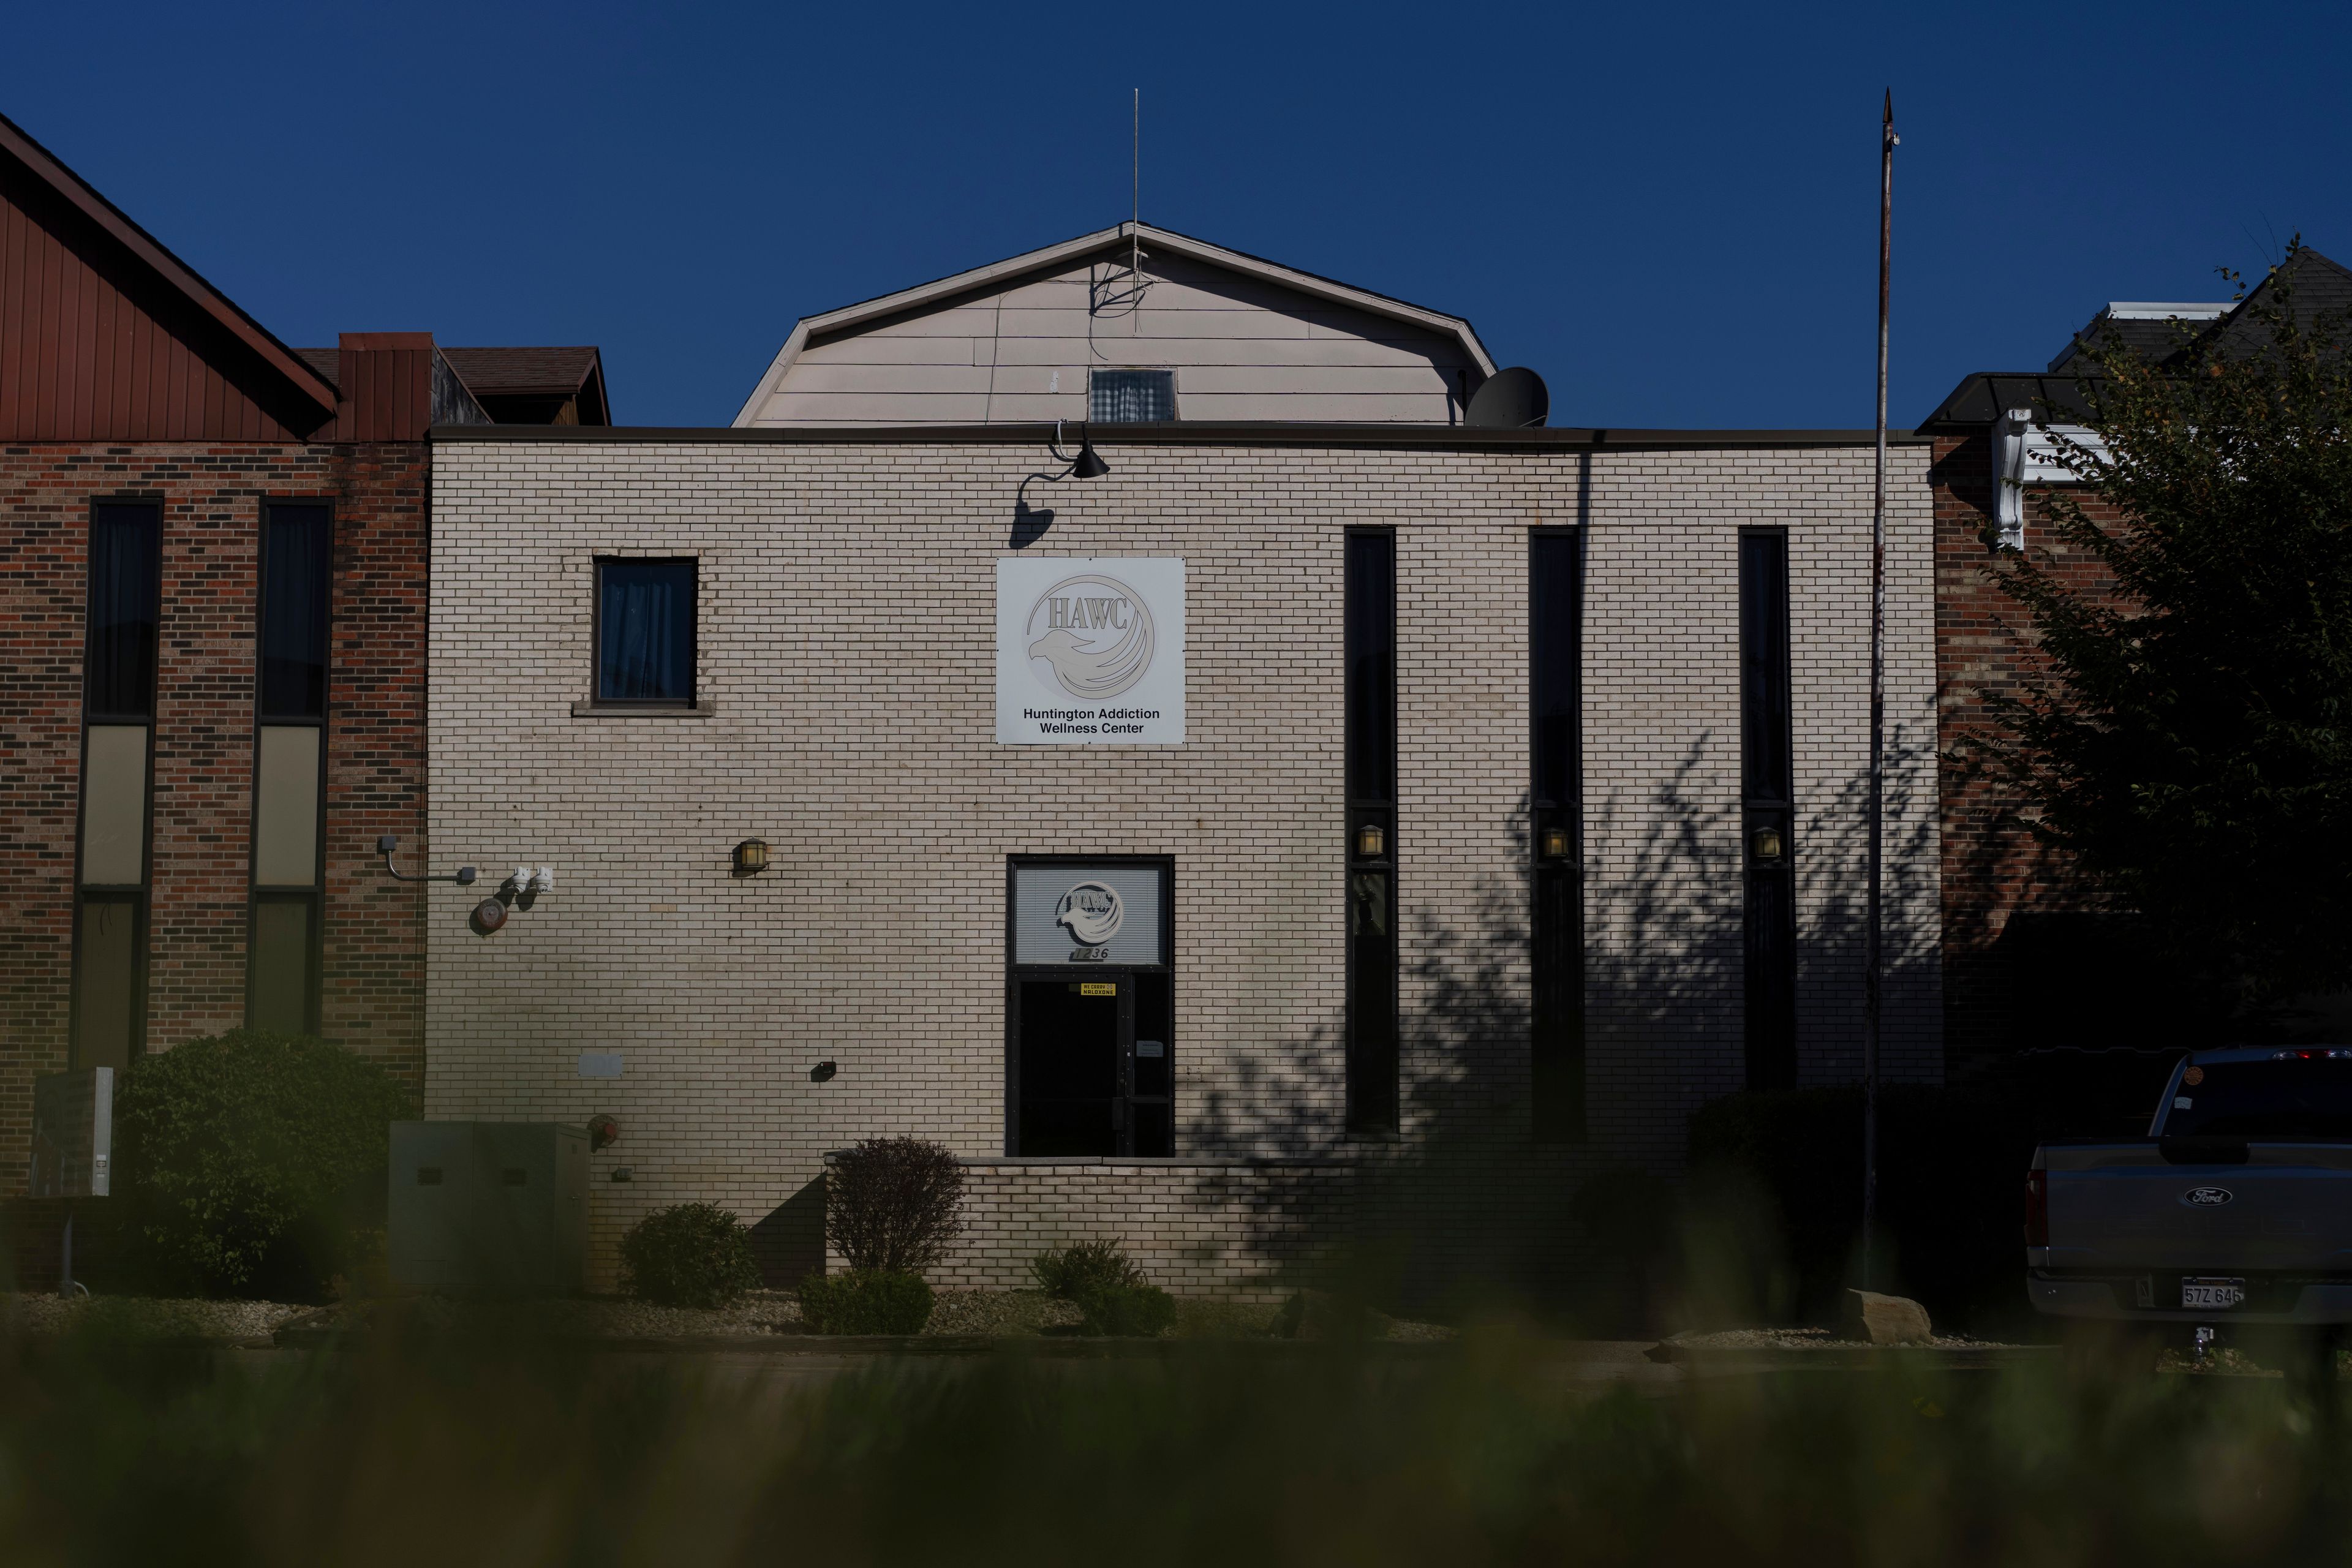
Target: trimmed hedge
(253,1163)
(866,1301)
(1144,1311)
(690,1255)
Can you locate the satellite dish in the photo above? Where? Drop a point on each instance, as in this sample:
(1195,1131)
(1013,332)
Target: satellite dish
(1513,399)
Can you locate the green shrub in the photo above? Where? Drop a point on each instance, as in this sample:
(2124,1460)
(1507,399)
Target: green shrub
(1070,1272)
(1142,1311)
(893,1204)
(691,1254)
(253,1163)
(866,1301)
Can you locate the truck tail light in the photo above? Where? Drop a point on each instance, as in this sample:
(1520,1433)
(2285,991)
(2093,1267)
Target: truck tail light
(2037,1208)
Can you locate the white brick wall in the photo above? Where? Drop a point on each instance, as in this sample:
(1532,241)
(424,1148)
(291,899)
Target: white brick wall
(846,641)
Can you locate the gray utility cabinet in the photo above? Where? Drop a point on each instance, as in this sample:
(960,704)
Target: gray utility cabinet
(489,1207)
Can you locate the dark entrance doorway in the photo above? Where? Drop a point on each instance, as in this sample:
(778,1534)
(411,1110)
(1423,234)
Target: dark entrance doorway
(1089,1011)
(1094,1065)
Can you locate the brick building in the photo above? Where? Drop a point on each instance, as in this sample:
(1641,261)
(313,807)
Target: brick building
(213,559)
(2032,961)
(1341,819)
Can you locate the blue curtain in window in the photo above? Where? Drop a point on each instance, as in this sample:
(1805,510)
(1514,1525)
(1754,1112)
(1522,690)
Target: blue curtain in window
(124,570)
(1132,396)
(294,566)
(646,632)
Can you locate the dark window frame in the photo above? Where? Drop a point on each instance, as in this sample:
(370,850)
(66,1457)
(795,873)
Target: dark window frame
(257,893)
(135,895)
(1175,405)
(597,700)
(1768,802)
(1015,973)
(1556,1045)
(1374,1068)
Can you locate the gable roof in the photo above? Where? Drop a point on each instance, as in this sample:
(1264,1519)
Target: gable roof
(1053,257)
(150,255)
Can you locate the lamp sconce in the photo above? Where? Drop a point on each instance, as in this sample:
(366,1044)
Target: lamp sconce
(1371,841)
(1553,844)
(1767,844)
(823,1072)
(750,857)
(603,1133)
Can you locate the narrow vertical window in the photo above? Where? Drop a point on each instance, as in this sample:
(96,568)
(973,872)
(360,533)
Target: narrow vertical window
(1556,930)
(1370,640)
(118,718)
(284,942)
(645,633)
(1768,810)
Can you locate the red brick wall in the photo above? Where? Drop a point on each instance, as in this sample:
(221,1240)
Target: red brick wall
(212,493)
(1991,871)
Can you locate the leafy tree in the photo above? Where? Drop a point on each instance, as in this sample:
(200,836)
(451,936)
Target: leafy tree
(2185,737)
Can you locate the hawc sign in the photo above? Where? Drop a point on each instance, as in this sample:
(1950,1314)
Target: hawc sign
(1090,651)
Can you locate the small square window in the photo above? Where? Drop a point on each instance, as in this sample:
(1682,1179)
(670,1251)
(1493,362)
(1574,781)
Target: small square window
(645,633)
(1132,396)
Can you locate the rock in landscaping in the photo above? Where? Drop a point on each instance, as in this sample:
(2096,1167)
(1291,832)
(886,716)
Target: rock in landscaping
(1887,1320)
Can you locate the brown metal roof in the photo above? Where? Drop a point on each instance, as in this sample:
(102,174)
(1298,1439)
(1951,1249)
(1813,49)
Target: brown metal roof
(104,332)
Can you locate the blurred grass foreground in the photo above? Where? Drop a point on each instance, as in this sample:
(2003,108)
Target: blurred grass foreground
(497,1446)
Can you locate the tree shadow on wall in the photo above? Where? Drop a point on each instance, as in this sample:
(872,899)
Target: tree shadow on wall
(1463,1208)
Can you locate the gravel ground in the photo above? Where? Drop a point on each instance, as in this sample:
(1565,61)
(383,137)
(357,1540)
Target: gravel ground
(146,1315)
(996,1313)
(1807,1340)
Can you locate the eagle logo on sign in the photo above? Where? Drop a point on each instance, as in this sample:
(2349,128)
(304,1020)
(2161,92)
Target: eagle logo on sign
(1098,636)
(1092,911)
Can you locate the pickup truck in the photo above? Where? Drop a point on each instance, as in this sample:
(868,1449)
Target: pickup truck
(2235,1209)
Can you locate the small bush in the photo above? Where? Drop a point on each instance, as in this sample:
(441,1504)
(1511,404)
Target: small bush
(1070,1272)
(1143,1311)
(893,1204)
(866,1301)
(692,1255)
(252,1163)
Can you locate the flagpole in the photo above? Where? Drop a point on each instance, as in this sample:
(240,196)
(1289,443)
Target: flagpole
(1871,956)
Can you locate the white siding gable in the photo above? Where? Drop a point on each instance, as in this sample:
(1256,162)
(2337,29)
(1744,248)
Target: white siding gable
(1018,347)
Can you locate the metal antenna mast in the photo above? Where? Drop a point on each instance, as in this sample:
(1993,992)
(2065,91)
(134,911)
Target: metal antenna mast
(1872,957)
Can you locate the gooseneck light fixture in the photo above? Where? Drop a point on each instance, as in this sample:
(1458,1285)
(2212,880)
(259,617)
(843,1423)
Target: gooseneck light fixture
(1086,464)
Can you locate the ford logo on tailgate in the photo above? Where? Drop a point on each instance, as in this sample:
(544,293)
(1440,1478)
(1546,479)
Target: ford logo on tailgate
(2207,1197)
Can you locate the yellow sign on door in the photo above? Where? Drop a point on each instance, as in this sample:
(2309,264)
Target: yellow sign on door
(1097,988)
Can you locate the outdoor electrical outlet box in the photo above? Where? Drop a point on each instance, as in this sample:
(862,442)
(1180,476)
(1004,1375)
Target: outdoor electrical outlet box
(496,1208)
(73,1134)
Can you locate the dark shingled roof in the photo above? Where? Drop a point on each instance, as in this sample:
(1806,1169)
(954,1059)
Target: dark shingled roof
(492,373)
(2321,287)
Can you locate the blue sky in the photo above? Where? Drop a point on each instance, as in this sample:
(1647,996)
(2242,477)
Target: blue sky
(1669,211)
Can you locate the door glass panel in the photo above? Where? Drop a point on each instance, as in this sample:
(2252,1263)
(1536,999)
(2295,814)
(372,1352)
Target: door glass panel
(114,806)
(1155,1053)
(1069,1068)
(106,1001)
(281,965)
(286,808)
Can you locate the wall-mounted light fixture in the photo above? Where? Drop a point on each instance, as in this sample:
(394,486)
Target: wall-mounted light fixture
(391,841)
(1371,838)
(750,857)
(823,1072)
(603,1133)
(1553,844)
(1086,464)
(1766,843)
